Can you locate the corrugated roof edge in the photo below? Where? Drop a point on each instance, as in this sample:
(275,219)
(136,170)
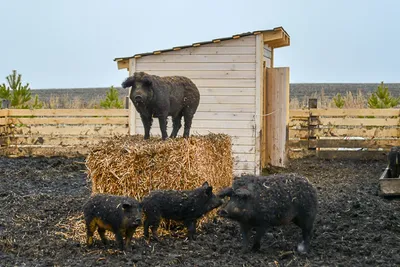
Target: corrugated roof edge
(200,43)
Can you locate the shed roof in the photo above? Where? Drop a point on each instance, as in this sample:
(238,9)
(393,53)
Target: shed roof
(276,37)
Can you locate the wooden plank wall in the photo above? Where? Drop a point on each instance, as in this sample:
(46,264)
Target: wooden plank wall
(58,131)
(343,132)
(225,74)
(268,56)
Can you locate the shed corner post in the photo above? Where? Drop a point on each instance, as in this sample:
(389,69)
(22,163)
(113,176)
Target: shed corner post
(259,102)
(286,116)
(283,87)
(132,110)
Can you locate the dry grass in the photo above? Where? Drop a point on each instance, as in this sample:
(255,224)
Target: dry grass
(73,228)
(358,100)
(69,101)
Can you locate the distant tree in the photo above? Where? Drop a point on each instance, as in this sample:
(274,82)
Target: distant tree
(382,98)
(37,104)
(112,99)
(5,92)
(15,92)
(339,100)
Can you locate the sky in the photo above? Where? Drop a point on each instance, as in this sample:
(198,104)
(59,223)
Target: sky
(72,43)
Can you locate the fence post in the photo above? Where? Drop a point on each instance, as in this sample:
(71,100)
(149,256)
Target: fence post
(127,102)
(312,124)
(5,103)
(5,128)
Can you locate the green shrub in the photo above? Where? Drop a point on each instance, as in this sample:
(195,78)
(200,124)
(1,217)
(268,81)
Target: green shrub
(37,104)
(339,100)
(382,98)
(17,94)
(112,99)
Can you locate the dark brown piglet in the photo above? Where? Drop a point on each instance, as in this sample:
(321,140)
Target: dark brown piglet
(179,205)
(118,214)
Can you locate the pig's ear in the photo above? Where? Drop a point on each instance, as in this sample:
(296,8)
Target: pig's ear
(147,80)
(226,192)
(126,206)
(242,192)
(130,81)
(209,190)
(205,184)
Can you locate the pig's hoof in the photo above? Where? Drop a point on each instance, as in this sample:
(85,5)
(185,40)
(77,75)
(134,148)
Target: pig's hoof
(302,248)
(256,247)
(156,239)
(245,250)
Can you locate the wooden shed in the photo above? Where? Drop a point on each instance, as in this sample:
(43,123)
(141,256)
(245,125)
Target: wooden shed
(242,94)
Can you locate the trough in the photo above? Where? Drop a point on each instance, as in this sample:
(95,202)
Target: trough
(388,186)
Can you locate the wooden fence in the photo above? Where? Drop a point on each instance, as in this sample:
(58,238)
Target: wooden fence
(335,133)
(58,131)
(326,132)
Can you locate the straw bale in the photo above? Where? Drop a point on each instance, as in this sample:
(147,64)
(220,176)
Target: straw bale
(131,166)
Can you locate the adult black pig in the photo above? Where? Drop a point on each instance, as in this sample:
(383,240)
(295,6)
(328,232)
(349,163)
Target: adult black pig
(394,162)
(119,214)
(178,205)
(261,202)
(160,97)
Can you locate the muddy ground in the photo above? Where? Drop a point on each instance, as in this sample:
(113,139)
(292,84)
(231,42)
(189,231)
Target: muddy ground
(41,222)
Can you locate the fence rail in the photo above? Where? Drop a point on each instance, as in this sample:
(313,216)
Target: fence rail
(328,132)
(337,132)
(58,131)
